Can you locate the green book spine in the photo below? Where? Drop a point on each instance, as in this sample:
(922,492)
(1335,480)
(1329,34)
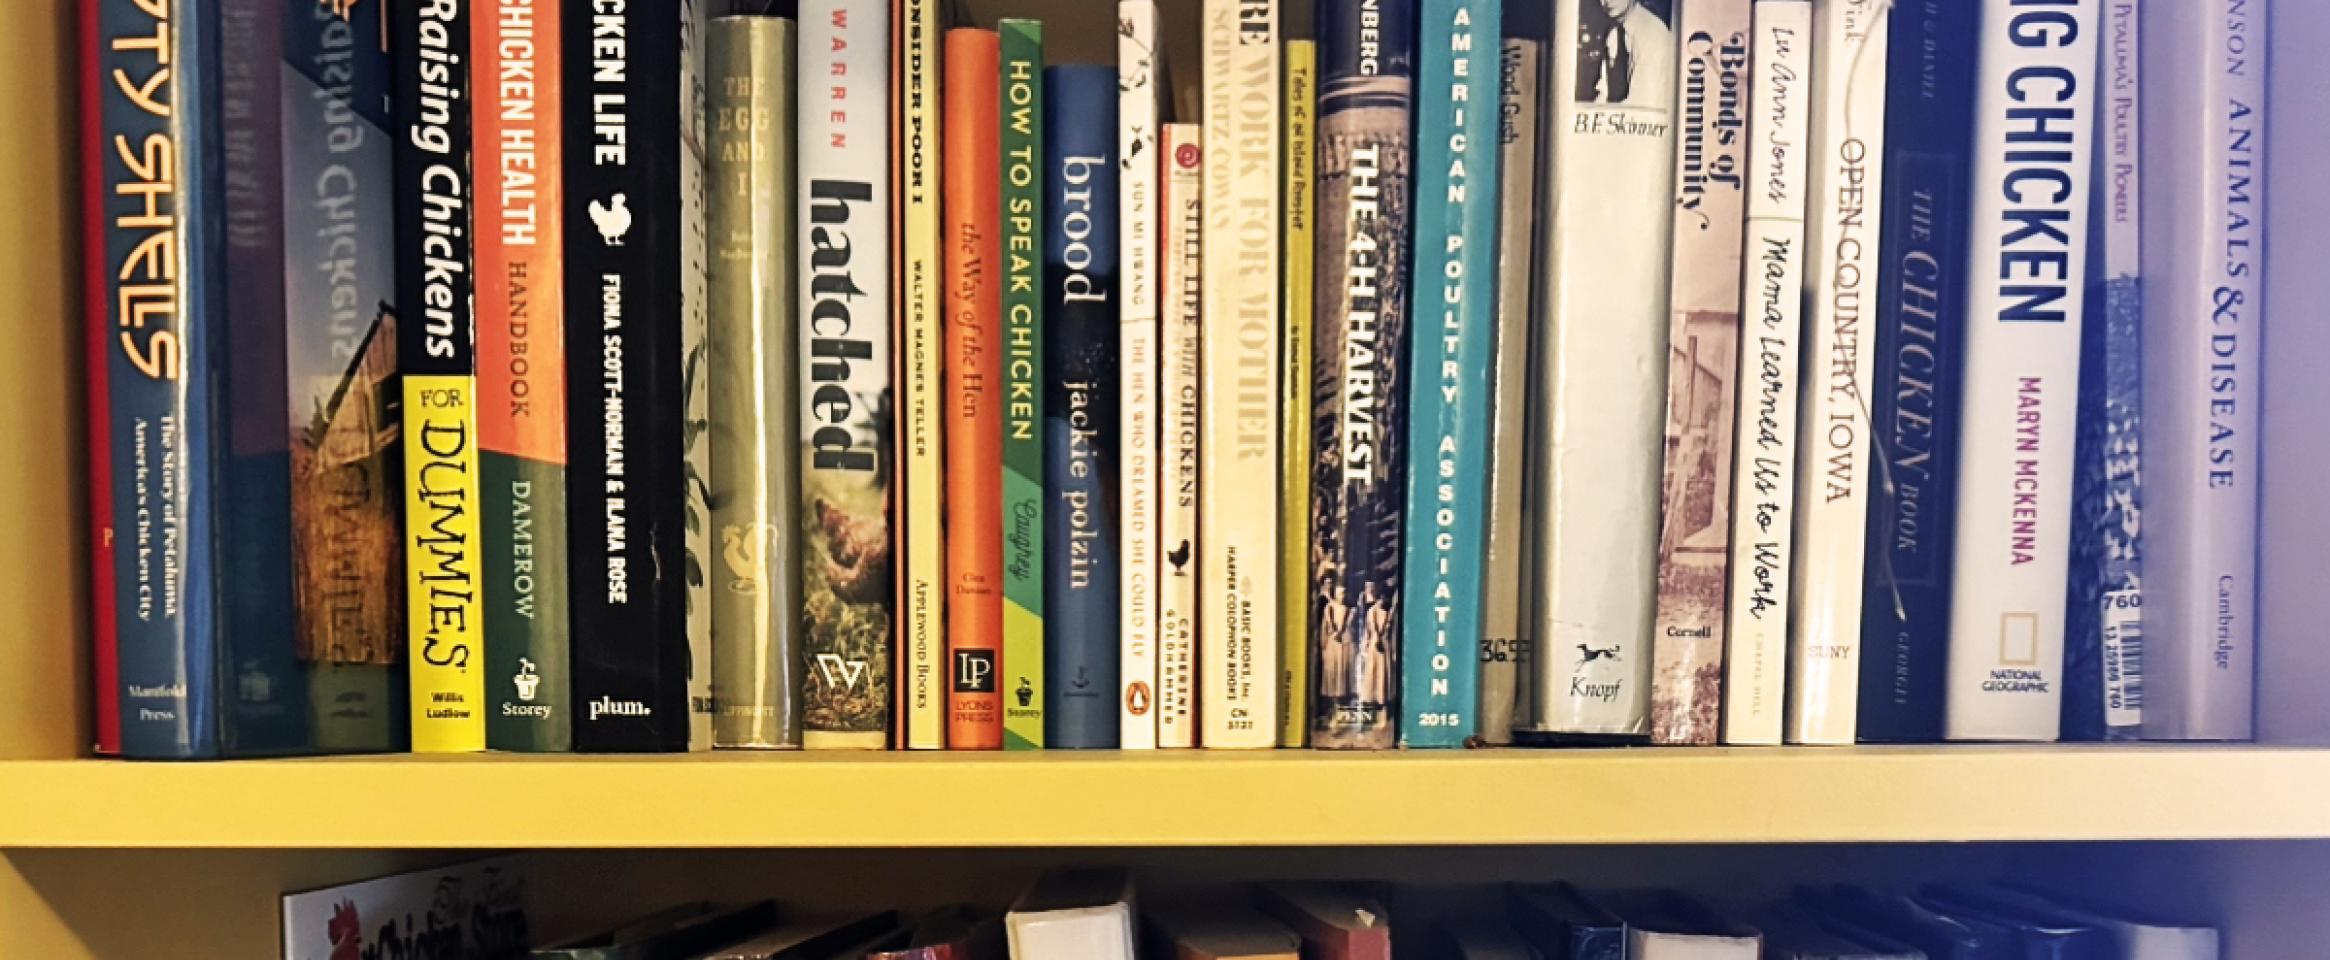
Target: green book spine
(1023,371)
(755,387)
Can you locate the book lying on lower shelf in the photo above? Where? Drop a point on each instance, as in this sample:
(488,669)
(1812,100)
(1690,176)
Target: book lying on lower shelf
(687,931)
(475,911)
(1074,915)
(1335,922)
(1481,938)
(1217,930)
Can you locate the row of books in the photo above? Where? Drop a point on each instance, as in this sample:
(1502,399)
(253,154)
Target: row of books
(1094,914)
(546,376)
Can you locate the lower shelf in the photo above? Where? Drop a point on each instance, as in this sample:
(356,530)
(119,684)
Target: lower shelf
(1283,798)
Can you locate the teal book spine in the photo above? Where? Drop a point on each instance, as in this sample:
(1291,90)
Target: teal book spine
(1022,142)
(1454,313)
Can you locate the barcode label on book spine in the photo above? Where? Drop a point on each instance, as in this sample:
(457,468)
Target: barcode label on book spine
(2123,658)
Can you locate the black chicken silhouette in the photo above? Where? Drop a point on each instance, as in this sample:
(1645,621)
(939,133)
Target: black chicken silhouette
(1178,557)
(613,218)
(1588,654)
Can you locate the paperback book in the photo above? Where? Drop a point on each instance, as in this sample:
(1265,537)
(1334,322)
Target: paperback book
(1294,387)
(1358,372)
(919,289)
(755,388)
(1139,80)
(974,447)
(1519,137)
(1182,308)
(1022,107)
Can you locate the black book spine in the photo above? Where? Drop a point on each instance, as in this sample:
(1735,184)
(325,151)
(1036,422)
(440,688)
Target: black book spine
(629,419)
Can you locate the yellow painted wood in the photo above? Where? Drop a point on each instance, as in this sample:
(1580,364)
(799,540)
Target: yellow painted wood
(1173,799)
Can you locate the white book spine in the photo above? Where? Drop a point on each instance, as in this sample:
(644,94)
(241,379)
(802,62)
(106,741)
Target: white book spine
(2034,133)
(1833,469)
(1181,305)
(1772,291)
(1238,435)
(1137,333)
(1599,409)
(2204,249)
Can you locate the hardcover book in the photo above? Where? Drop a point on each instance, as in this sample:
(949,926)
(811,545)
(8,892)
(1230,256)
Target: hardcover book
(2036,926)
(918,287)
(97,280)
(1480,938)
(1523,83)
(2009,574)
(475,911)
(1664,925)
(691,931)
(974,432)
(1074,915)
(1844,220)
(951,933)
(1764,438)
(1022,82)
(521,428)
(1858,913)
(1139,78)
(847,606)
(1080,422)
(1558,917)
(2203,259)
(1791,933)
(1238,408)
(1334,922)
(1215,931)
(1182,308)
(1358,372)
(1594,416)
(1457,74)
(755,388)
(2103,628)
(347,483)
(1300,173)
(636,253)
(828,937)
(1694,545)
(1920,331)
(437,364)
(2139,936)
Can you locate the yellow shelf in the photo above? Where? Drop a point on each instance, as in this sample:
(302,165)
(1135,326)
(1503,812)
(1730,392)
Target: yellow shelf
(1177,799)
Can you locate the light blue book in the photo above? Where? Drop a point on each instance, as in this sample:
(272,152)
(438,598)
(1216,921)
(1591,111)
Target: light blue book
(1454,317)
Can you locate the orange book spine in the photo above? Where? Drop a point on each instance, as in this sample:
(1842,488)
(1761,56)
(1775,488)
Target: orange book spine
(972,166)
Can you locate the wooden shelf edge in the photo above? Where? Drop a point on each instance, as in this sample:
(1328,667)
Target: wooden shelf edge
(1280,798)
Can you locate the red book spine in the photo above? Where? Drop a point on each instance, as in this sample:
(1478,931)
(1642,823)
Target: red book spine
(972,166)
(106,667)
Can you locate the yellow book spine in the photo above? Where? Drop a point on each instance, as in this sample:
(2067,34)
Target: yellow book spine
(1294,457)
(441,563)
(922,624)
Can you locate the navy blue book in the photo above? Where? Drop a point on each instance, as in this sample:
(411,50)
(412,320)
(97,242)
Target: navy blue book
(2042,931)
(1851,911)
(1562,922)
(201,552)
(1913,395)
(1080,414)
(1359,371)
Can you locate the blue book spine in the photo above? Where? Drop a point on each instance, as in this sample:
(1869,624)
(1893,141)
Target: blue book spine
(1921,334)
(1456,248)
(2103,626)
(1080,415)
(1359,370)
(164,248)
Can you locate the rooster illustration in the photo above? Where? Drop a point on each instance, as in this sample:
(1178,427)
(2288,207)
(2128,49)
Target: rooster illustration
(613,218)
(857,552)
(346,931)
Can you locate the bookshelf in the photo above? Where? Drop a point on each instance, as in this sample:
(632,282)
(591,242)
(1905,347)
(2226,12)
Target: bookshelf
(193,856)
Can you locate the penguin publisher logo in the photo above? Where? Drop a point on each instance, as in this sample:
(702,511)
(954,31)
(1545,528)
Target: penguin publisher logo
(1137,699)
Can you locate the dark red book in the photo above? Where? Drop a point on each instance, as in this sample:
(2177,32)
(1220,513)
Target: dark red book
(951,933)
(104,660)
(1335,922)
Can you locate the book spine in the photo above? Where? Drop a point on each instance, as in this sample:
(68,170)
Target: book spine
(521,430)
(1294,413)
(1595,418)
(1522,77)
(918,287)
(1182,305)
(2009,574)
(438,366)
(972,170)
(635,431)
(1238,389)
(755,385)
(847,607)
(1358,372)
(1694,548)
(2103,630)
(1138,99)
(1913,403)
(162,244)
(1080,441)
(1022,120)
(1455,241)
(96,298)
(347,492)
(1764,437)
(1845,220)
(2203,260)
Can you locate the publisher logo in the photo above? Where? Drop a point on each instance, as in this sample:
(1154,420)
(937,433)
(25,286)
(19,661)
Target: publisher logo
(974,671)
(1137,699)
